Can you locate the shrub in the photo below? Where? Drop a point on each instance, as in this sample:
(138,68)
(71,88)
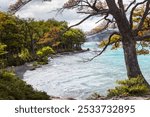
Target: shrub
(45,51)
(24,55)
(11,87)
(130,87)
(43,61)
(43,55)
(14,60)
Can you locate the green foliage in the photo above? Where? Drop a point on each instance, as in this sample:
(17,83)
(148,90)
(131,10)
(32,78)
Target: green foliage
(2,53)
(130,87)
(24,55)
(137,16)
(42,61)
(23,39)
(29,40)
(11,87)
(2,48)
(43,55)
(114,41)
(73,39)
(45,51)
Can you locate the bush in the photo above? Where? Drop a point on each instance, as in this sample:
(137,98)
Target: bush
(45,51)
(24,55)
(130,87)
(43,55)
(11,87)
(43,61)
(14,60)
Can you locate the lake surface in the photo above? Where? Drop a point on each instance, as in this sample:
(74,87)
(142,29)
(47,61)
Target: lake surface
(70,76)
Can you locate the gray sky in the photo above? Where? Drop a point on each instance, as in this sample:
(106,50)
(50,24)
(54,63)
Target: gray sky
(41,10)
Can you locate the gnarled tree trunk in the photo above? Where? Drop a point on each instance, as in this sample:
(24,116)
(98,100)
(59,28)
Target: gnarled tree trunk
(131,61)
(128,42)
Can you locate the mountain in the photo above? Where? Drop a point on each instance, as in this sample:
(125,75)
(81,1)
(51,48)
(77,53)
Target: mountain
(99,36)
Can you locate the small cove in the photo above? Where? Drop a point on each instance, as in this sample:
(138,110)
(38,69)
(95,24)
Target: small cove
(69,76)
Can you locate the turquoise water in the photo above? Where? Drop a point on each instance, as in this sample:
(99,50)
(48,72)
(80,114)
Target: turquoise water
(70,76)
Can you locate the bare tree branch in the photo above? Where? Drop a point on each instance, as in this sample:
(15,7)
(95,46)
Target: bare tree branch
(133,9)
(142,38)
(64,31)
(94,4)
(100,20)
(147,9)
(108,43)
(81,21)
(19,4)
(100,12)
(134,1)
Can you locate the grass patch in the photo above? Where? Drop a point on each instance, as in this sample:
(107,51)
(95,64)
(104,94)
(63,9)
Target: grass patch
(11,87)
(129,87)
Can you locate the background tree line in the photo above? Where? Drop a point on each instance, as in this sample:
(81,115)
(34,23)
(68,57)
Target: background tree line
(26,40)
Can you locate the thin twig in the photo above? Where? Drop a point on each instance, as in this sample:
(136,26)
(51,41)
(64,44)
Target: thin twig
(108,43)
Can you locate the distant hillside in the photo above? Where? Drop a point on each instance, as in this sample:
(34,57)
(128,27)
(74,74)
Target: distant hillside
(99,36)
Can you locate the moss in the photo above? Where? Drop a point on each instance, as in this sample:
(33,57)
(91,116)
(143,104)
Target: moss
(130,87)
(11,87)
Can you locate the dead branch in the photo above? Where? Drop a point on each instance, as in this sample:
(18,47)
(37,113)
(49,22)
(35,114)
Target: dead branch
(142,38)
(132,11)
(147,9)
(19,4)
(108,43)
(81,21)
(128,7)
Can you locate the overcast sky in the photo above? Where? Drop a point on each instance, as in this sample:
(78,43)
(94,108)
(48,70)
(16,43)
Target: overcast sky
(41,10)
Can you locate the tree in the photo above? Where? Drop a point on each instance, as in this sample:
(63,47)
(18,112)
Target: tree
(2,52)
(19,4)
(115,11)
